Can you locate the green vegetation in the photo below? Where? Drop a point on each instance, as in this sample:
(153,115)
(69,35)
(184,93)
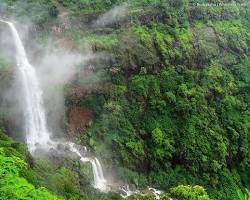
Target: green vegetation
(188,192)
(176,112)
(21,177)
(244,195)
(12,185)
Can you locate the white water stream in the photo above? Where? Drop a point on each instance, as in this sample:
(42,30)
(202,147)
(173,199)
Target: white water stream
(35,119)
(37,134)
(99,180)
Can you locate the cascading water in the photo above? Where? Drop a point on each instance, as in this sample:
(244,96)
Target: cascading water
(35,125)
(99,180)
(37,134)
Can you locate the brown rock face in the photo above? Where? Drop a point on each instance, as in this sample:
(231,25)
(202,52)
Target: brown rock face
(79,118)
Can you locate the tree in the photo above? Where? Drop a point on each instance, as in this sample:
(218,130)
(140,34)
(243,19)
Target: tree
(187,192)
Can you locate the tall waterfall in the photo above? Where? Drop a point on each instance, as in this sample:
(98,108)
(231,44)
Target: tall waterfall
(35,118)
(37,134)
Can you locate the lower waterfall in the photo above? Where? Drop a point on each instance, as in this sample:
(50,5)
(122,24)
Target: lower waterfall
(99,180)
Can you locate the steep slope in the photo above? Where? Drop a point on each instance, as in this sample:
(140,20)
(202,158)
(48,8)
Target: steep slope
(170,105)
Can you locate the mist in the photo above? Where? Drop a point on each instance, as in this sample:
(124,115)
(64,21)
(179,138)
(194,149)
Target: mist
(55,70)
(114,15)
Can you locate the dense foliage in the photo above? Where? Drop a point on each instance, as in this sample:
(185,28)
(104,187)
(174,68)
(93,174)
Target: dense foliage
(176,112)
(12,185)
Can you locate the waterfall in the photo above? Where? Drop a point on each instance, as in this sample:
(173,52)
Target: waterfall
(99,180)
(37,134)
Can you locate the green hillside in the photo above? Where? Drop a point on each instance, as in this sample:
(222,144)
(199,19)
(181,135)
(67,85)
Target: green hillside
(170,104)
